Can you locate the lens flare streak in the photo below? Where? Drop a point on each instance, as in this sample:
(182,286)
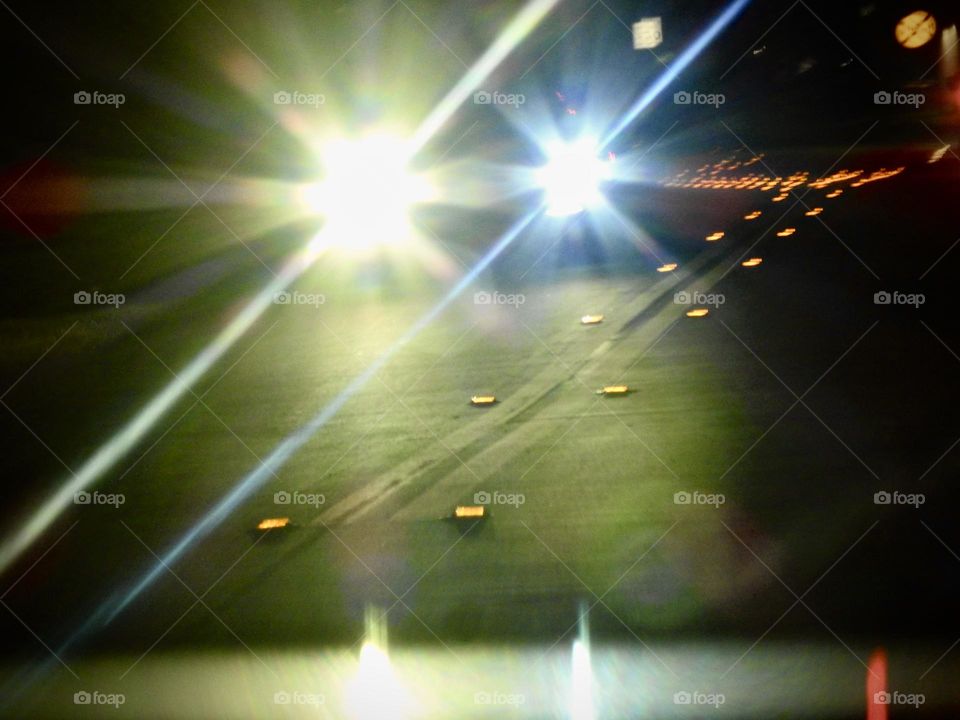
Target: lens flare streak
(298,438)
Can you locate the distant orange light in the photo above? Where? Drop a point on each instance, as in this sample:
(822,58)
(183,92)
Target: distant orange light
(752,216)
(781,197)
(273,523)
(752,262)
(916,29)
(714,236)
(698,313)
(881,174)
(839,176)
(667,267)
(836,193)
(814,212)
(786,232)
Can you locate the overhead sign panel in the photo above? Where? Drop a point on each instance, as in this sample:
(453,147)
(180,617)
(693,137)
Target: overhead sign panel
(647,33)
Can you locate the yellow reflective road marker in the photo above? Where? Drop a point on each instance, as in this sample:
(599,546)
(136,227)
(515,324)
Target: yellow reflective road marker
(273,523)
(698,313)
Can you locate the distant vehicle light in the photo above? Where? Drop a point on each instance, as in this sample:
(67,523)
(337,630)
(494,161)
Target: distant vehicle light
(752,262)
(836,193)
(591,319)
(937,155)
(752,216)
(469,511)
(667,267)
(273,523)
(714,236)
(881,174)
(786,232)
(614,390)
(916,29)
(781,197)
(814,212)
(483,399)
(839,176)
(698,313)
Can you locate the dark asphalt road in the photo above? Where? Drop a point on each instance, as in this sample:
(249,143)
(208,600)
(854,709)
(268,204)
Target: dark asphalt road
(797,399)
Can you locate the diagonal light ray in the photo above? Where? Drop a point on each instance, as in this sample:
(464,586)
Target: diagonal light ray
(518,29)
(677,67)
(293,442)
(124,441)
(121,443)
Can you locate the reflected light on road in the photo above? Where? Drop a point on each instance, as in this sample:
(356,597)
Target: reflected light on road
(242,490)
(581,703)
(376,693)
(876,684)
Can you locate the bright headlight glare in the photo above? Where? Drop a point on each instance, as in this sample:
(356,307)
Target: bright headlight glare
(367,193)
(572,176)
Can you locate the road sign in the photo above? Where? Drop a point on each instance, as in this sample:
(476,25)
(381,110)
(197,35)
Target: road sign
(647,33)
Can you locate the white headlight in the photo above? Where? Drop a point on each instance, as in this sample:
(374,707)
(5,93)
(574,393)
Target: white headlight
(572,177)
(367,193)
